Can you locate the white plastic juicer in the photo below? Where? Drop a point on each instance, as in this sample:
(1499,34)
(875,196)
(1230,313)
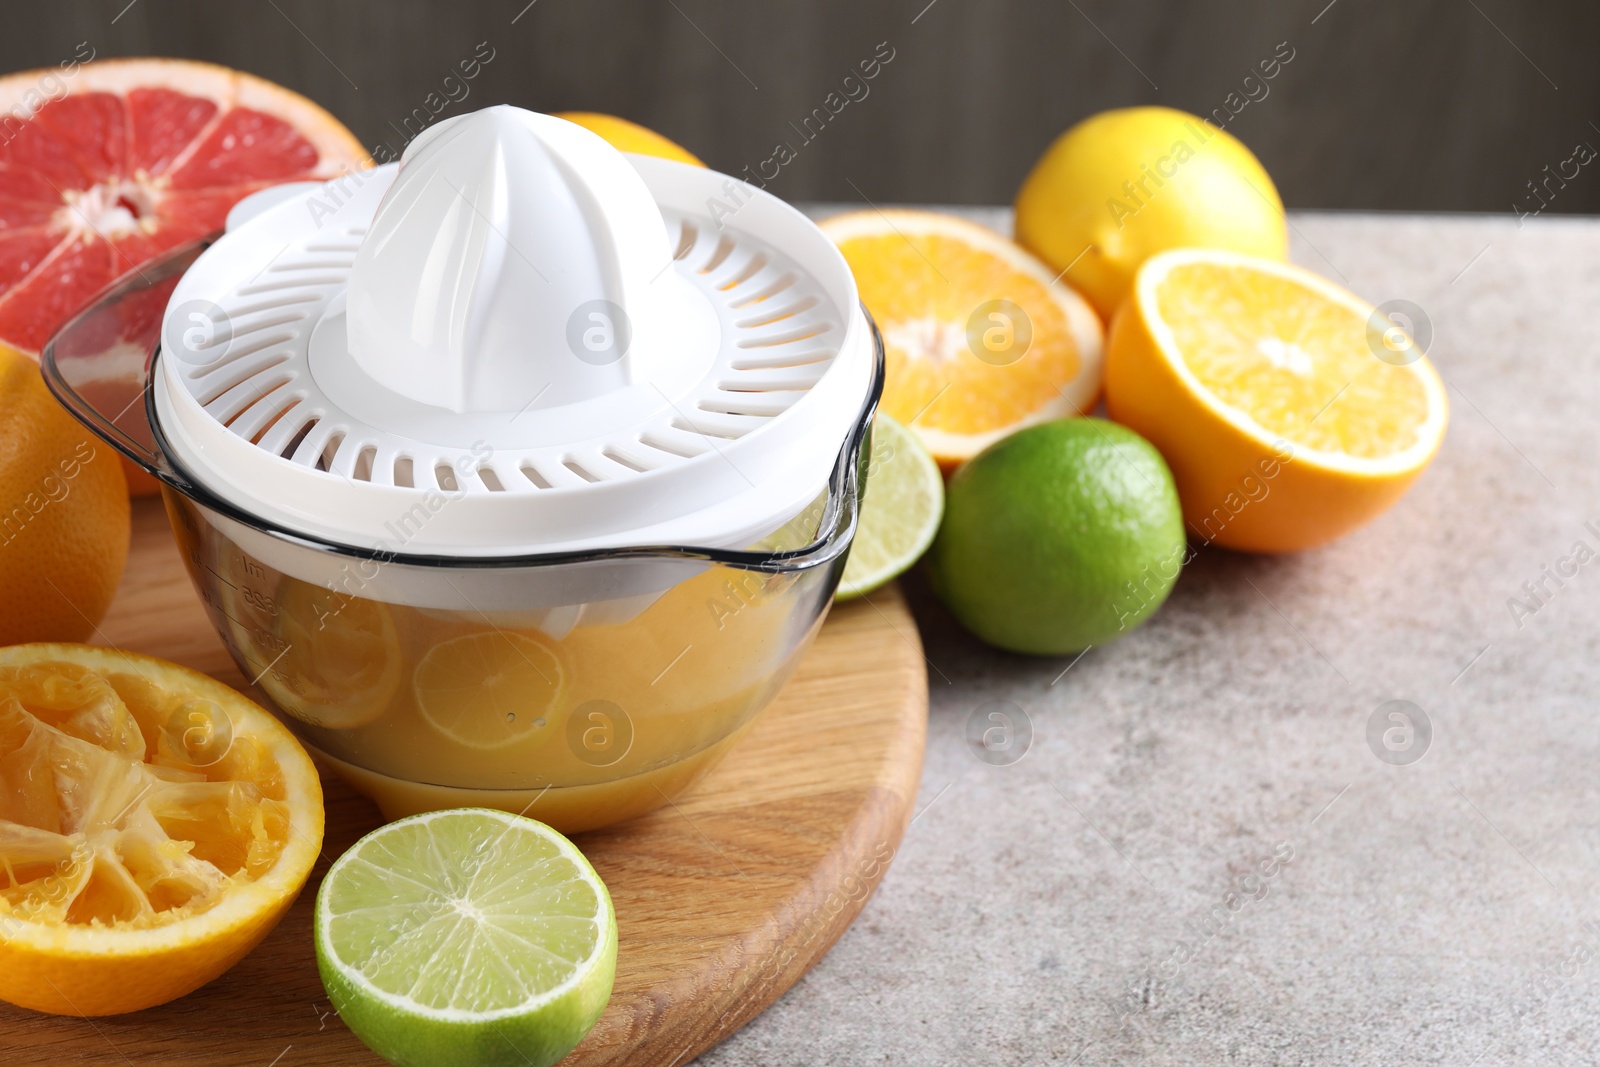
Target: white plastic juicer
(517,473)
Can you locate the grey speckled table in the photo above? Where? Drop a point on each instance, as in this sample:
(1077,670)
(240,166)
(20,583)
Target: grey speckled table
(1446,912)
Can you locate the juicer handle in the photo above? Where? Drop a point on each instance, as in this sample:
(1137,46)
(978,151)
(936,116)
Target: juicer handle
(99,364)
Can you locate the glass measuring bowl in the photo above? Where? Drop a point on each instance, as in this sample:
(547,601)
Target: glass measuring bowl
(580,688)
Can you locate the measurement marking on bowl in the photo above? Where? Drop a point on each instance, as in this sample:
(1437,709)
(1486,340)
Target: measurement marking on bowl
(671,665)
(219,577)
(257,679)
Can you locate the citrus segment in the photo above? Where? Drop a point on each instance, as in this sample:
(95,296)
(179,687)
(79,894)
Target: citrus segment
(467,936)
(154,826)
(243,146)
(1286,422)
(164,122)
(979,337)
(489,689)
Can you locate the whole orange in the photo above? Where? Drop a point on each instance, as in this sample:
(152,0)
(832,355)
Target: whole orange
(628,136)
(63,514)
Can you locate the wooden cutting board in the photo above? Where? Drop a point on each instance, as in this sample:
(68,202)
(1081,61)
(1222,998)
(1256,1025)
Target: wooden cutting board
(724,898)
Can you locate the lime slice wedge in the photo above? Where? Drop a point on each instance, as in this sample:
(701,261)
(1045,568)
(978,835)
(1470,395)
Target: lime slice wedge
(905,498)
(464,937)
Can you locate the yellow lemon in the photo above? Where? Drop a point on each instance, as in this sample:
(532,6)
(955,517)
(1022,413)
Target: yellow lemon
(628,136)
(1123,185)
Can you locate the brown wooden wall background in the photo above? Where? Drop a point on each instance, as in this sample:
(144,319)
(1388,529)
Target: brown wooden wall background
(1406,104)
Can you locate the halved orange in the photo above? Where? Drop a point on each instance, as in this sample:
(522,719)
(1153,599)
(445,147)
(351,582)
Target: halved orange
(154,826)
(1283,404)
(980,338)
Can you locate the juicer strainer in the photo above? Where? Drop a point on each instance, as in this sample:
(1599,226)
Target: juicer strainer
(500,317)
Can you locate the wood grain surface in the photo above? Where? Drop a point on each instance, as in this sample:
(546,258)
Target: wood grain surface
(724,898)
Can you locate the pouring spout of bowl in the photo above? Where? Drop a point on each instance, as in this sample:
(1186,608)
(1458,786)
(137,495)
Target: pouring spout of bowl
(98,365)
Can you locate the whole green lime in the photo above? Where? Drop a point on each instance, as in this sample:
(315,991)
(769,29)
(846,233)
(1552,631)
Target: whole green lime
(1061,536)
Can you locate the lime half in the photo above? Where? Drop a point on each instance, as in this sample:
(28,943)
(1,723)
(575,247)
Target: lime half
(468,937)
(905,497)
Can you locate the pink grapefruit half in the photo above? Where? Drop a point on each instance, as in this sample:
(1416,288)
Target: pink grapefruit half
(131,158)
